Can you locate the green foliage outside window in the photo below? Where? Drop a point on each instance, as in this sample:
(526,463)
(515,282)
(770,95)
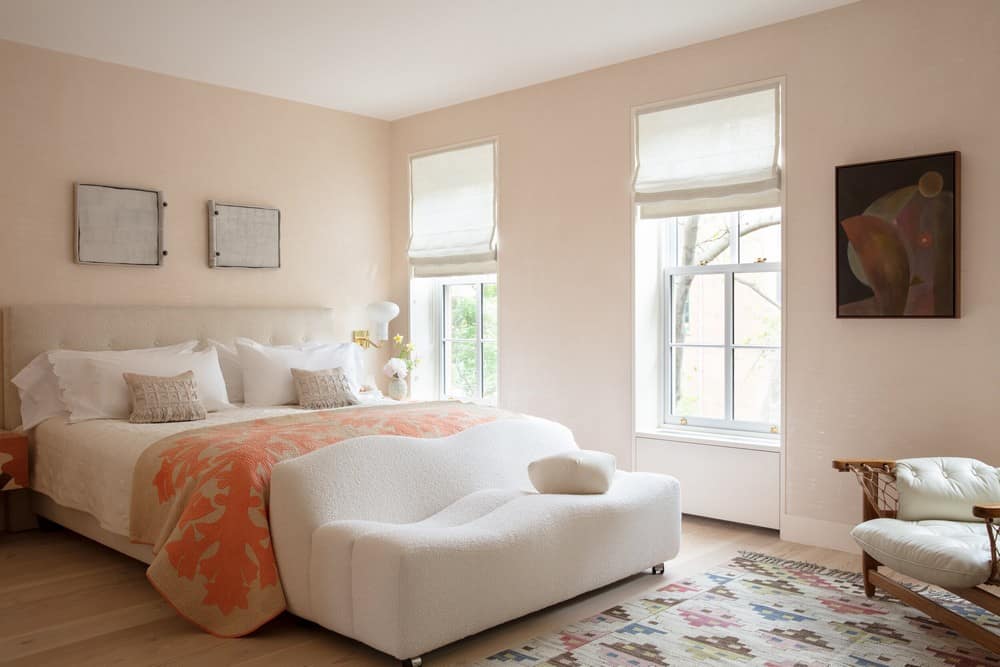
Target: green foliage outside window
(463,343)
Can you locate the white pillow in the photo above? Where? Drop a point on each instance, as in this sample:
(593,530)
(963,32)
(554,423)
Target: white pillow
(39,391)
(267,370)
(93,387)
(38,386)
(232,372)
(577,472)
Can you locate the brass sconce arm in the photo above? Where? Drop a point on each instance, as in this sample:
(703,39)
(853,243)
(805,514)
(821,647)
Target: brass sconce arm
(361,337)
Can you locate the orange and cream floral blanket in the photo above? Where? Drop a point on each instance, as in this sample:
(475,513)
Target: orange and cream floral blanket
(201,498)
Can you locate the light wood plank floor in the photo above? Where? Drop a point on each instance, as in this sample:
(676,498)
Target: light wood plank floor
(65,600)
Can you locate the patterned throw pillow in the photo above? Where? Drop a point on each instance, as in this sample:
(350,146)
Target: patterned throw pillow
(156,400)
(320,390)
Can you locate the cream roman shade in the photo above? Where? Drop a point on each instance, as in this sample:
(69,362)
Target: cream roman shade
(453,212)
(719,154)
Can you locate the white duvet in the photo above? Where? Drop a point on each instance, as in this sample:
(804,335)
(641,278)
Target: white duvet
(88,466)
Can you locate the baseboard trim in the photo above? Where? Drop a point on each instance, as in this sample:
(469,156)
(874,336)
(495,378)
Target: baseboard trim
(818,533)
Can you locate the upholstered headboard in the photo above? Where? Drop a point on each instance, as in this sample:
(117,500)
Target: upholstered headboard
(26,331)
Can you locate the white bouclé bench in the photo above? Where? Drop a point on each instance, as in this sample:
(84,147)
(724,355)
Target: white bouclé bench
(408,544)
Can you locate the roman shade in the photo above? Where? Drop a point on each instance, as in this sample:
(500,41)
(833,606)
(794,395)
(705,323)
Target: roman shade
(718,154)
(453,212)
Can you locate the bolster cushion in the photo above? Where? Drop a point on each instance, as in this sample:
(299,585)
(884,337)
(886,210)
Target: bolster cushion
(576,472)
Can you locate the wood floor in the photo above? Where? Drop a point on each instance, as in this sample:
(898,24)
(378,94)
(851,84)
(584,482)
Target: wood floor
(65,600)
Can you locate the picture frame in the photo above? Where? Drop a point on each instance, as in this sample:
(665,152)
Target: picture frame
(118,225)
(243,236)
(897,237)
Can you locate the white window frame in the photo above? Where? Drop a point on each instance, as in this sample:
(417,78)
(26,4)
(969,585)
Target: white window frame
(432,333)
(441,328)
(728,431)
(668,253)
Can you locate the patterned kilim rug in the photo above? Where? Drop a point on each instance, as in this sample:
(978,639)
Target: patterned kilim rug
(760,610)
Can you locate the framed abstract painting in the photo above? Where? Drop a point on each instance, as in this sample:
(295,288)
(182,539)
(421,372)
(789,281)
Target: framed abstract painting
(897,237)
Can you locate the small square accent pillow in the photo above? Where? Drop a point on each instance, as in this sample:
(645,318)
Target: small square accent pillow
(578,472)
(157,400)
(321,390)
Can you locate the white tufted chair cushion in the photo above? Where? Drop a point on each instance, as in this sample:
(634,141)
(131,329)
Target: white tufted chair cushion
(951,554)
(944,488)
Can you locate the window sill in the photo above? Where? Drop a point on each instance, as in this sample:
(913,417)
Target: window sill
(715,438)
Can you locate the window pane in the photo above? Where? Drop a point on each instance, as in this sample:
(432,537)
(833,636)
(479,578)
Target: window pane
(703,239)
(461,303)
(757,309)
(490,372)
(461,370)
(490,311)
(699,382)
(699,309)
(756,386)
(760,235)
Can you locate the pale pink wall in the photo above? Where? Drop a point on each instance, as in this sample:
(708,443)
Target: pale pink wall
(873,80)
(66,119)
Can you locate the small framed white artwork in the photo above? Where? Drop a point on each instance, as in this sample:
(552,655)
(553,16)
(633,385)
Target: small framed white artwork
(118,225)
(243,236)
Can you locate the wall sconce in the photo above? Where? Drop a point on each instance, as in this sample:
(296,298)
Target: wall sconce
(379,314)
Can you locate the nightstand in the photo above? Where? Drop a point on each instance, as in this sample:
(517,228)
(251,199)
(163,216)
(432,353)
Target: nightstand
(13,478)
(13,461)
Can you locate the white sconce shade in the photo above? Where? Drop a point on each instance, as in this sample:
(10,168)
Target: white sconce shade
(381,313)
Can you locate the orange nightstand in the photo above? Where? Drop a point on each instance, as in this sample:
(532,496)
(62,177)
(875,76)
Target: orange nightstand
(13,461)
(13,473)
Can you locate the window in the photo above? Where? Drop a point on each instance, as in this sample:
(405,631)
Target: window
(469,340)
(708,179)
(722,319)
(453,288)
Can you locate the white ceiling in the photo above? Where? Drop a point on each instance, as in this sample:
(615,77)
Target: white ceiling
(381,58)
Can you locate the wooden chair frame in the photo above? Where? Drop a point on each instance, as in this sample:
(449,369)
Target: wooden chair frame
(877,478)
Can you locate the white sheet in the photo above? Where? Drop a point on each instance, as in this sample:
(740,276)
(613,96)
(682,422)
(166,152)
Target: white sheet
(88,466)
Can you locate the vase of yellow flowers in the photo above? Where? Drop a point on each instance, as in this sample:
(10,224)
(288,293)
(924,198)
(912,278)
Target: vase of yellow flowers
(399,368)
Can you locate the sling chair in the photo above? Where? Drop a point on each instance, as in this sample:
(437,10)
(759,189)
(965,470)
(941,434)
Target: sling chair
(935,520)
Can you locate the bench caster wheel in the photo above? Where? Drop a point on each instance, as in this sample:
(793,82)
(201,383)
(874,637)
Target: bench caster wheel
(658,568)
(412,662)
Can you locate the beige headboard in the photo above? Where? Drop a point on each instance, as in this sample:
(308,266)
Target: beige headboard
(26,331)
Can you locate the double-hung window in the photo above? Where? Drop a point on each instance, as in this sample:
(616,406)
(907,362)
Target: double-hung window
(708,176)
(722,319)
(453,255)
